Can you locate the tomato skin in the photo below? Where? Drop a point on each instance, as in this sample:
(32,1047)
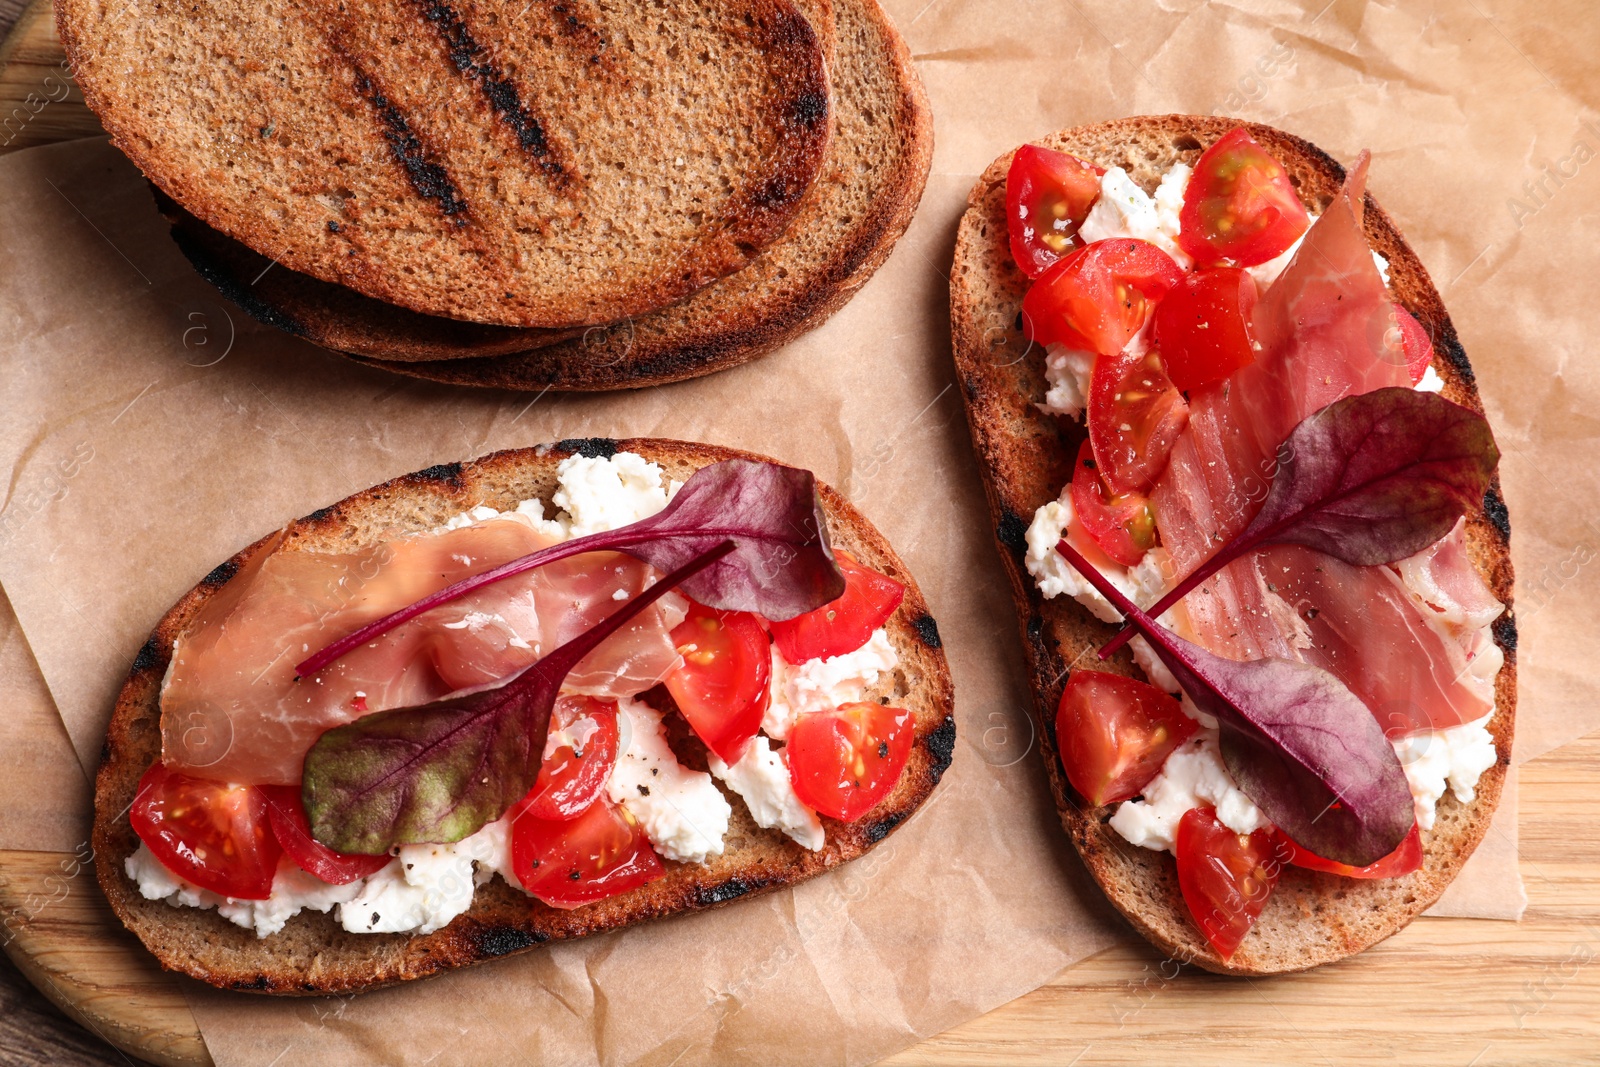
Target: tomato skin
(292,829)
(1414,342)
(841,625)
(1122,525)
(843,762)
(721,686)
(1240,205)
(211,834)
(571,779)
(1226,877)
(1135,417)
(1203,326)
(1098,297)
(1406,858)
(1048,195)
(1114,733)
(568,863)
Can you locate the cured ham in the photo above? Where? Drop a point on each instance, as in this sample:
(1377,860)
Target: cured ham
(1412,649)
(233,710)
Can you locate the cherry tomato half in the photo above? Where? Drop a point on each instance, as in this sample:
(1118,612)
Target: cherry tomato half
(1097,298)
(574,773)
(1226,877)
(1135,417)
(842,625)
(1048,195)
(721,687)
(1114,733)
(1406,858)
(842,762)
(568,863)
(1414,342)
(211,834)
(1240,205)
(1122,525)
(1203,326)
(293,830)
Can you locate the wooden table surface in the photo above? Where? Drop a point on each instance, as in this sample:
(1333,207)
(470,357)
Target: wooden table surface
(1443,991)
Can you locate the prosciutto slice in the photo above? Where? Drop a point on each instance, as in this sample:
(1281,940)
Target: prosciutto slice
(1326,331)
(232,709)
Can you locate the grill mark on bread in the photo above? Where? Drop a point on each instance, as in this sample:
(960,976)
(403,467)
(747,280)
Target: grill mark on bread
(473,60)
(421,164)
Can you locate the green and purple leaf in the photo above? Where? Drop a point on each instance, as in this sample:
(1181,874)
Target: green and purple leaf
(781,565)
(1298,743)
(442,771)
(1370,479)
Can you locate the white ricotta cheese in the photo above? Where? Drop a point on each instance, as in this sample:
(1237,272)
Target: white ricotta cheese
(603,493)
(593,494)
(1068,372)
(429,885)
(1054,576)
(761,778)
(1431,382)
(293,891)
(682,811)
(1125,210)
(1193,776)
(824,684)
(1455,758)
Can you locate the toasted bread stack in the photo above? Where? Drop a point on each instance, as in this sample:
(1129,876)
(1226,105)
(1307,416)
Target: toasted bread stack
(584,194)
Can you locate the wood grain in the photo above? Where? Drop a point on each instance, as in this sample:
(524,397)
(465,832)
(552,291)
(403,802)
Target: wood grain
(1447,991)
(39,102)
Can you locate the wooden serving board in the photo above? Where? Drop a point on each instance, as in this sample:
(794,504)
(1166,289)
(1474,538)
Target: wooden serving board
(1447,991)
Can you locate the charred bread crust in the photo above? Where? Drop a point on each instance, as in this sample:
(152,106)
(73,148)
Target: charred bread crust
(313,954)
(1025,457)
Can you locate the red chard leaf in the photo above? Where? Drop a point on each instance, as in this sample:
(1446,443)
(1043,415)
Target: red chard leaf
(442,771)
(1298,743)
(781,564)
(1370,479)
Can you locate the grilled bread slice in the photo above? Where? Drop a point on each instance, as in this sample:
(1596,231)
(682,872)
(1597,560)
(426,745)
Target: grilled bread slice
(848,223)
(313,954)
(332,315)
(1026,457)
(851,218)
(339,318)
(522,164)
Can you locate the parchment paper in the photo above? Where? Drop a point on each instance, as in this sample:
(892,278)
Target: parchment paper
(206,431)
(48,808)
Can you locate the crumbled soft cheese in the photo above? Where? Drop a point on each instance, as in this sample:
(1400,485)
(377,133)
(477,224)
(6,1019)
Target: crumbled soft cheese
(293,891)
(682,811)
(1143,584)
(1456,756)
(592,494)
(1431,382)
(429,885)
(1192,777)
(1125,210)
(1068,372)
(761,778)
(603,493)
(824,684)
